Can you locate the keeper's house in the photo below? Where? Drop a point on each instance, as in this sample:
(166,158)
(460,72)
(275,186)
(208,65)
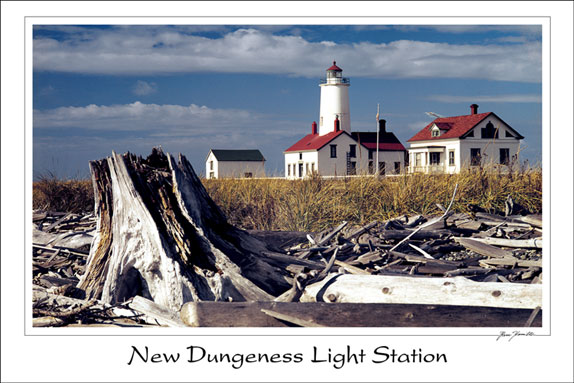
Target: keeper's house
(234,164)
(449,144)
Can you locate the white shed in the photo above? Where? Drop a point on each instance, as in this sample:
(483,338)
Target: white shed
(234,164)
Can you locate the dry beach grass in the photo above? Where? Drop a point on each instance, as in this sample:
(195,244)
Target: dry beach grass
(313,204)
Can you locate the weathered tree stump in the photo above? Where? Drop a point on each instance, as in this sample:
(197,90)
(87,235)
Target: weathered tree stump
(159,235)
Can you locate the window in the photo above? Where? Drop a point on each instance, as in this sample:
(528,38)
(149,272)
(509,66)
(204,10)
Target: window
(504,156)
(435,158)
(352,168)
(352,151)
(475,157)
(370,154)
(300,170)
(470,134)
(289,170)
(248,175)
(300,156)
(371,171)
(508,134)
(417,159)
(382,169)
(451,157)
(435,133)
(312,167)
(212,175)
(333,151)
(489,131)
(210,165)
(397,167)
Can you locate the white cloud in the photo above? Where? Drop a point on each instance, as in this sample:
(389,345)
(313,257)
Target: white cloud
(514,98)
(142,50)
(76,135)
(138,116)
(143,88)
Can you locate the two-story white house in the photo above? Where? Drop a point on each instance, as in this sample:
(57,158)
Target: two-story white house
(234,164)
(449,144)
(332,149)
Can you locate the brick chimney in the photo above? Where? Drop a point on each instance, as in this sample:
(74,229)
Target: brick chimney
(314,128)
(337,124)
(473,109)
(382,126)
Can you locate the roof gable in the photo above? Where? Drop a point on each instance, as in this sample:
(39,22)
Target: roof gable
(455,127)
(237,155)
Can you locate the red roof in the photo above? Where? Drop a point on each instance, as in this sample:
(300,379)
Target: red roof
(387,141)
(314,141)
(384,146)
(335,67)
(455,127)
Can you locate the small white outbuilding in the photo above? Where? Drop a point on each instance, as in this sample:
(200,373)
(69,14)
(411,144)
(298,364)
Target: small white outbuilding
(234,164)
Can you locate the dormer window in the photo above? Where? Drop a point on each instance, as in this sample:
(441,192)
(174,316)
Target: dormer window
(435,132)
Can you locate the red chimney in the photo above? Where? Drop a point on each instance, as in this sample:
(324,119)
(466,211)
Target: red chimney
(473,109)
(314,128)
(337,126)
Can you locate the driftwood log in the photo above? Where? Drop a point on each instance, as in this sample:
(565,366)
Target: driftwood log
(458,291)
(160,236)
(324,314)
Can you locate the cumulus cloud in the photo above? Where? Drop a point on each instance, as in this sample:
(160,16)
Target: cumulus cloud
(514,98)
(143,88)
(137,50)
(93,131)
(138,116)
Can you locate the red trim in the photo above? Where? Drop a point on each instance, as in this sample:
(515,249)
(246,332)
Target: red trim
(384,146)
(335,67)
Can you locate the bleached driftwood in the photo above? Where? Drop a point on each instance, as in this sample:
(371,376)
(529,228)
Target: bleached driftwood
(282,314)
(72,240)
(159,235)
(155,312)
(432,291)
(533,243)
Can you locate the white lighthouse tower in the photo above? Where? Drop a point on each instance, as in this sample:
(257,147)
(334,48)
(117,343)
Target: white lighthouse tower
(334,101)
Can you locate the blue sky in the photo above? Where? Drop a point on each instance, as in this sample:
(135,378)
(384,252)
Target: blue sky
(193,88)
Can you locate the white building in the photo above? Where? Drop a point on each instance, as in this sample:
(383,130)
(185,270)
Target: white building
(234,164)
(333,149)
(449,144)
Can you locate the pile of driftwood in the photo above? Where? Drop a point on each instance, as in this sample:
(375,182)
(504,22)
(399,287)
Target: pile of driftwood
(158,251)
(60,248)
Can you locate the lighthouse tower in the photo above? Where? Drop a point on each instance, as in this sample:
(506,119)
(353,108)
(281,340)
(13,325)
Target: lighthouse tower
(334,101)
